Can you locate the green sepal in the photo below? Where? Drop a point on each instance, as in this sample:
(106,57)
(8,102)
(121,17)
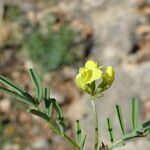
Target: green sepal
(92,86)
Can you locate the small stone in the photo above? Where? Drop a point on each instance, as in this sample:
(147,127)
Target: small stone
(68,72)
(77,110)
(5,105)
(11,147)
(146,106)
(5,34)
(40,144)
(141,144)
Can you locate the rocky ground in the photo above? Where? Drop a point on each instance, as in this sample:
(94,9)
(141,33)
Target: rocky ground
(117,32)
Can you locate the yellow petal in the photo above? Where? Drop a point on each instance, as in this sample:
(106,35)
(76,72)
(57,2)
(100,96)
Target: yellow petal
(110,71)
(96,74)
(83,77)
(82,69)
(91,64)
(79,80)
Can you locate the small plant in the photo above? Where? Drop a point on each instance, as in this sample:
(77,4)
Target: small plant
(51,50)
(86,80)
(12,13)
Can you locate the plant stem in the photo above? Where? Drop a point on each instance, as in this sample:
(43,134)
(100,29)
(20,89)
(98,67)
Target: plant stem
(96,124)
(68,139)
(125,138)
(56,130)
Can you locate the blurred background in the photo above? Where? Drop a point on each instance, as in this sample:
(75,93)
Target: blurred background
(57,37)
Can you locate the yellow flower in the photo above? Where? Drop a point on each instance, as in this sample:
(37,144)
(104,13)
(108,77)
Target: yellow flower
(88,74)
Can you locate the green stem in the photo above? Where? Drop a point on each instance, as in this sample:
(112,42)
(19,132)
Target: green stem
(56,130)
(125,138)
(96,124)
(68,139)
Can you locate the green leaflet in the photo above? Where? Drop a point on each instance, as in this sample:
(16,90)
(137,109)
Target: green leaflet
(17,96)
(28,96)
(11,85)
(146,126)
(48,107)
(135,104)
(60,120)
(80,137)
(120,118)
(46,93)
(40,114)
(61,125)
(110,129)
(17,89)
(83,140)
(57,108)
(48,102)
(38,84)
(78,132)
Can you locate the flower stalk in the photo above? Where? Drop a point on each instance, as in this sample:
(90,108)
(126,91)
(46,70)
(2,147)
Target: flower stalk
(96,130)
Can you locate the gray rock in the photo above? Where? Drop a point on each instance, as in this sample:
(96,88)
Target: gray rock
(40,144)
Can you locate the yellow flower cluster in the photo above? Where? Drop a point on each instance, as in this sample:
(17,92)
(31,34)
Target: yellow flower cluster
(92,72)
